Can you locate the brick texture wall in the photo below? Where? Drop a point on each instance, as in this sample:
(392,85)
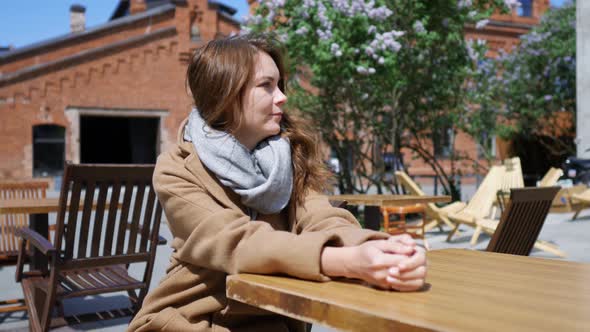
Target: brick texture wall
(147,75)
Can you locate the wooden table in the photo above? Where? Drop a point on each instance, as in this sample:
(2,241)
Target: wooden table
(372,204)
(38,210)
(466,291)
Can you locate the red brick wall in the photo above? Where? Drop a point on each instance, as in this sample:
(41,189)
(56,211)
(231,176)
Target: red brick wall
(146,77)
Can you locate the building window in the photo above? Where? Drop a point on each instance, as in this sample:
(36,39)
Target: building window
(526,8)
(48,150)
(487,146)
(443,142)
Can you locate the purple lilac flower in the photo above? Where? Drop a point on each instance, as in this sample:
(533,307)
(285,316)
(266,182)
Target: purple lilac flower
(419,27)
(481,24)
(548,97)
(302,31)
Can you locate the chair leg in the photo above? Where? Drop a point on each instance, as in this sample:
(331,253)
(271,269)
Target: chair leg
(431,225)
(448,222)
(455,229)
(550,248)
(475,236)
(576,214)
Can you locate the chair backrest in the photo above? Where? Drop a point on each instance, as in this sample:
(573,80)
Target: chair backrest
(124,226)
(551,177)
(409,184)
(522,220)
(480,204)
(26,189)
(513,177)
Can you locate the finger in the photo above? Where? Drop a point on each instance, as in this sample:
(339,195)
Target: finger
(395,247)
(405,286)
(403,238)
(417,273)
(417,259)
(384,261)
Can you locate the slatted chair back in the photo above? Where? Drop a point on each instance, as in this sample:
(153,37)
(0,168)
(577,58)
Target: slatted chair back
(513,177)
(521,222)
(124,226)
(413,188)
(481,203)
(9,223)
(551,177)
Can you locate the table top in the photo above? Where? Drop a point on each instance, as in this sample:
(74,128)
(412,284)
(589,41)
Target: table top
(466,291)
(389,200)
(32,206)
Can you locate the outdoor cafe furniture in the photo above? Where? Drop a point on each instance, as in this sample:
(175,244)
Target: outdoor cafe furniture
(373,203)
(10,222)
(401,224)
(466,290)
(438,216)
(480,205)
(520,224)
(93,250)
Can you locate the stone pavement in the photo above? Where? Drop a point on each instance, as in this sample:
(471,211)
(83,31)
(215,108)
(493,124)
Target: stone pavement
(570,236)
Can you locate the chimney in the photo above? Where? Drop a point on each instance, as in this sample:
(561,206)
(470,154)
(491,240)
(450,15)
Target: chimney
(137,6)
(77,18)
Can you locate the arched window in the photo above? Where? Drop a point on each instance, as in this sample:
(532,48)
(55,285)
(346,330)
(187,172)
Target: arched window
(48,150)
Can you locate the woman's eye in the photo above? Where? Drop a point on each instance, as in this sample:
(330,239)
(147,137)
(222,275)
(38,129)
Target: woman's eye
(264,84)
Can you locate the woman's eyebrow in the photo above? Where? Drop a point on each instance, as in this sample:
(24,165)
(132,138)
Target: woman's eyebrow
(266,77)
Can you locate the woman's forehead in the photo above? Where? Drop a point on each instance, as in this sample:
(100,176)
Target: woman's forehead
(265,66)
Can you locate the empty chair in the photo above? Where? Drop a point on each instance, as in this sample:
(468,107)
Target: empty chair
(550,178)
(521,222)
(93,250)
(436,216)
(480,204)
(9,223)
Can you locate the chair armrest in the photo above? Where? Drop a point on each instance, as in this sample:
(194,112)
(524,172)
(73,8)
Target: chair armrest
(37,240)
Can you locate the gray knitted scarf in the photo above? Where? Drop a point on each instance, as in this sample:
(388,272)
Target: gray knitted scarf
(263,177)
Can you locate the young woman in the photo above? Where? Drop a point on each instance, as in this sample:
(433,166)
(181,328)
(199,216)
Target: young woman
(242,193)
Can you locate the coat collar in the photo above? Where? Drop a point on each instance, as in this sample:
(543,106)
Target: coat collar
(209,180)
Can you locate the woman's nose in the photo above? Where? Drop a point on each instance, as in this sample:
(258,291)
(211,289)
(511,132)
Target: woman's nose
(279,97)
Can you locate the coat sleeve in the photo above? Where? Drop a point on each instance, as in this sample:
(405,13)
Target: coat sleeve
(214,237)
(318,215)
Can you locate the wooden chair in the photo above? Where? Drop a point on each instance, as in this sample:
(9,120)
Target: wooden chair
(480,204)
(437,216)
(9,223)
(93,250)
(521,222)
(401,226)
(550,178)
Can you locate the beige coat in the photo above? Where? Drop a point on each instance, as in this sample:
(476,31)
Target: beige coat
(214,237)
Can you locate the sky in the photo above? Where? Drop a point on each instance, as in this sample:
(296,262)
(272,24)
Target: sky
(26,22)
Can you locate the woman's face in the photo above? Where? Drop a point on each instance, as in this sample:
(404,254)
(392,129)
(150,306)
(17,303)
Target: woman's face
(262,103)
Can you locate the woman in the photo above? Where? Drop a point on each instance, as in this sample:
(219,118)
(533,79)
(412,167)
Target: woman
(241,194)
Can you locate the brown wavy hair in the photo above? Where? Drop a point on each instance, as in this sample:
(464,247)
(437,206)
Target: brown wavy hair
(217,77)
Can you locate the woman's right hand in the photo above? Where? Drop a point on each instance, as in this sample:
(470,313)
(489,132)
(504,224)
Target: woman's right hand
(395,263)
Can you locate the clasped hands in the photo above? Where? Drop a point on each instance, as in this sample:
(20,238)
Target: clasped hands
(395,263)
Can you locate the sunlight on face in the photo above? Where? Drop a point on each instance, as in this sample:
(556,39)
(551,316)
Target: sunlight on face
(262,114)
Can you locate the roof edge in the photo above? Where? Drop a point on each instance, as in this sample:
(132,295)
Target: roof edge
(12,55)
(39,69)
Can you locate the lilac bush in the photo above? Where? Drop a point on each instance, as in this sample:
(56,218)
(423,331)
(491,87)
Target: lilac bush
(385,74)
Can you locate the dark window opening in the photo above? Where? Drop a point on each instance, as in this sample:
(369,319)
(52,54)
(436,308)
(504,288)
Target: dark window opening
(443,140)
(48,150)
(118,140)
(526,8)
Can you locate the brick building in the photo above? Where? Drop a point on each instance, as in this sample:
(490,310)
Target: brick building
(116,93)
(112,93)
